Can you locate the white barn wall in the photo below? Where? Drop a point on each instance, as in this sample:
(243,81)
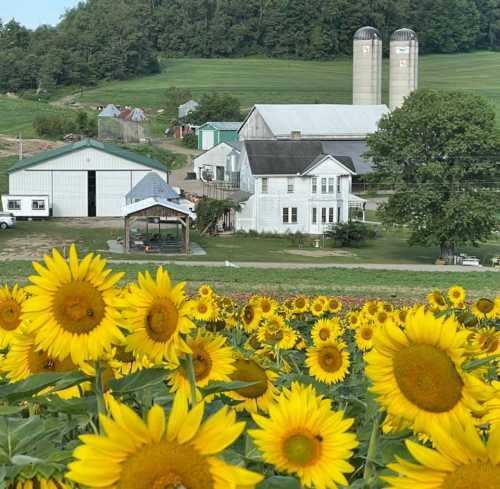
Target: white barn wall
(27,182)
(111,188)
(255,128)
(69,194)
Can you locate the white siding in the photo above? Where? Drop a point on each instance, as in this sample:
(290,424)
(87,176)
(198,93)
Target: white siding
(70,194)
(111,188)
(217,156)
(207,139)
(255,128)
(247,180)
(89,159)
(30,183)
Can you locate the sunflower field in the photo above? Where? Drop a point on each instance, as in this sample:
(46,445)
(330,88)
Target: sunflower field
(141,386)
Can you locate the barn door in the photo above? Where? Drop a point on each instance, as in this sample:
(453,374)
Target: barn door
(91,188)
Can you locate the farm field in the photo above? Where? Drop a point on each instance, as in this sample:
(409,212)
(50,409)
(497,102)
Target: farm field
(262,80)
(205,390)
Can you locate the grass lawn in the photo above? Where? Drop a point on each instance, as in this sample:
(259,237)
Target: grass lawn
(389,247)
(18,115)
(262,80)
(356,283)
(5,164)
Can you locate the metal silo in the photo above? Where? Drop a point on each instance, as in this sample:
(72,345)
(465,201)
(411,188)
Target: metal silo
(404,66)
(367,67)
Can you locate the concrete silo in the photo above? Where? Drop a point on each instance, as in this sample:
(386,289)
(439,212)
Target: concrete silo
(404,66)
(367,67)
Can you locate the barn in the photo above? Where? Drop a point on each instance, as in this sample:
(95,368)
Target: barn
(85,179)
(211,134)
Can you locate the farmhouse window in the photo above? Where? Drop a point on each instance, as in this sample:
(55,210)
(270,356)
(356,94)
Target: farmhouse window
(289,215)
(290,185)
(330,214)
(265,185)
(339,186)
(285,215)
(294,215)
(14,205)
(314,215)
(323,215)
(331,185)
(314,185)
(323,185)
(339,210)
(37,205)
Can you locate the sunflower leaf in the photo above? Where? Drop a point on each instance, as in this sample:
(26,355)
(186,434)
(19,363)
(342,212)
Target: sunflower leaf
(143,379)
(473,364)
(279,482)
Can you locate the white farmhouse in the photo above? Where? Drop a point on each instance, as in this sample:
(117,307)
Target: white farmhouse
(218,163)
(84,179)
(294,186)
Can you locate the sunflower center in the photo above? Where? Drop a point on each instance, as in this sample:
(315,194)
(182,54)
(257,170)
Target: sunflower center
(439,299)
(248,315)
(300,302)
(330,358)
(428,378)
(382,317)
(202,308)
(490,344)
(78,307)
(302,448)
(367,333)
(122,355)
(249,371)
(161,320)
(485,305)
(318,306)
(481,474)
(40,362)
(166,465)
(334,304)
(202,363)
(273,334)
(10,315)
(265,306)
(324,334)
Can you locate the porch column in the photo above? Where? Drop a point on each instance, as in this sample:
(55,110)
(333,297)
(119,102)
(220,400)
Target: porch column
(127,234)
(188,245)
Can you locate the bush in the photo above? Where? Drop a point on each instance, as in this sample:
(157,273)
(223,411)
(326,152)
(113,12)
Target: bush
(190,141)
(351,234)
(57,126)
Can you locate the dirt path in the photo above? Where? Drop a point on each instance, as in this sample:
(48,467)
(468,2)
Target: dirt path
(9,146)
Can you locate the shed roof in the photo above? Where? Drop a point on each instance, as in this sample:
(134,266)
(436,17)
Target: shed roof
(152,185)
(272,157)
(109,111)
(133,115)
(189,103)
(83,144)
(223,126)
(152,202)
(321,120)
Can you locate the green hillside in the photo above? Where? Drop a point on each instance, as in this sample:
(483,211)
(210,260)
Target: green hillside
(255,80)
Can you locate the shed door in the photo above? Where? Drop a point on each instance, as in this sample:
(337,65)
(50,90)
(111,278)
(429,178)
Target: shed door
(207,139)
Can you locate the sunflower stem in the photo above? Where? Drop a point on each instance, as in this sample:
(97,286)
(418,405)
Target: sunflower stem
(99,391)
(370,470)
(191,377)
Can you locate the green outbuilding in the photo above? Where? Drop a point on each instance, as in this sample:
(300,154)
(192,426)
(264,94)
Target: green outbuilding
(211,134)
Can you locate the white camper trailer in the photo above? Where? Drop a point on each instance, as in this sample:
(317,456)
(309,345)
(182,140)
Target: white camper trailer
(26,206)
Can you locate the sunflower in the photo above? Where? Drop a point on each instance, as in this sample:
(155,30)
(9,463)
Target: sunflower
(334,305)
(157,316)
(353,319)
(371,308)
(212,360)
(11,301)
(328,362)
(456,294)
(318,307)
(484,308)
(277,333)
(125,362)
(72,307)
(303,436)
(300,304)
(400,316)
(486,341)
(325,330)
(436,301)
(417,372)
(160,453)
(364,336)
(382,317)
(460,460)
(267,305)
(250,317)
(492,406)
(205,291)
(204,309)
(257,396)
(39,484)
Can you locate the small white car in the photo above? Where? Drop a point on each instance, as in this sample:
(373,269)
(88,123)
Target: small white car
(7,220)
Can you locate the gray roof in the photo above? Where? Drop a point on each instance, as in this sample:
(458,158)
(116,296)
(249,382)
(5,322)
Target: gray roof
(152,185)
(223,126)
(367,34)
(109,111)
(237,145)
(239,196)
(321,121)
(354,149)
(291,157)
(404,35)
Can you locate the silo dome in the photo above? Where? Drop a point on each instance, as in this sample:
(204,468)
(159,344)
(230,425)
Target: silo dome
(404,35)
(367,34)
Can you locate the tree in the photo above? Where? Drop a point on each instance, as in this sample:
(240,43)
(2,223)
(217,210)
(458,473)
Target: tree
(441,153)
(216,107)
(210,211)
(175,97)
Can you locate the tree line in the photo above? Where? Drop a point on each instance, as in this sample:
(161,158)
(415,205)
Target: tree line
(120,39)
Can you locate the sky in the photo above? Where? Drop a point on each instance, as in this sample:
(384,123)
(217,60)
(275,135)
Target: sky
(33,13)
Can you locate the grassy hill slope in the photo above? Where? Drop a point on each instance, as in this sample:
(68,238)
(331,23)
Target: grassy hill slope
(255,80)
